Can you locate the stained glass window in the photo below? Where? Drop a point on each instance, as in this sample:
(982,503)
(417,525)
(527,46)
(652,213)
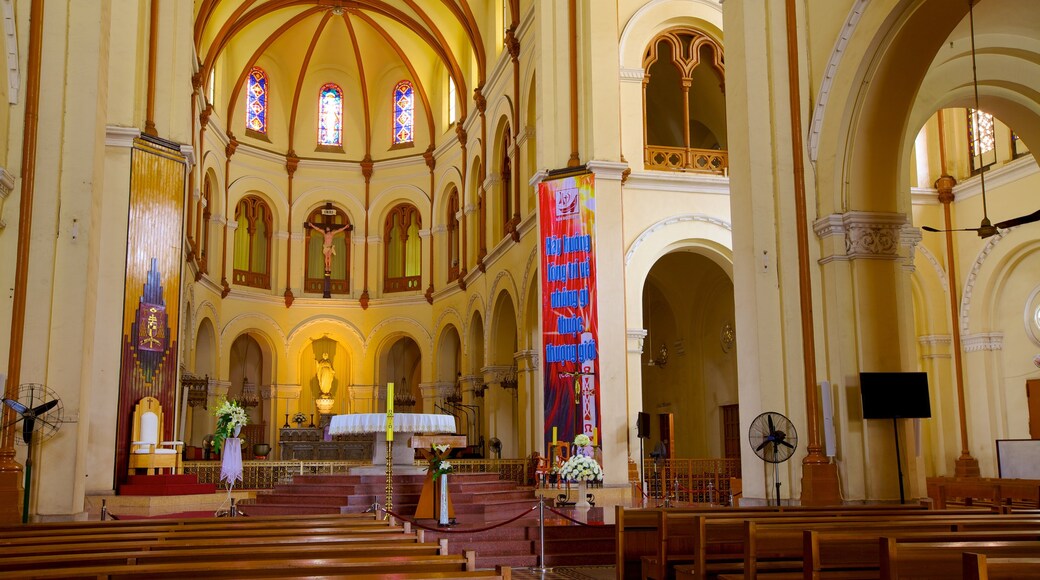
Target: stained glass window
(404,113)
(330,115)
(981,138)
(256,101)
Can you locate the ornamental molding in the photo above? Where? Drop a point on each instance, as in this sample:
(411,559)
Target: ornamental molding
(674,181)
(672,221)
(868,235)
(973,275)
(631,75)
(636,336)
(924,196)
(939,271)
(934,339)
(6,183)
(14,77)
(607,170)
(840,45)
(1006,174)
(121,136)
(983,341)
(538,177)
(287,391)
(910,237)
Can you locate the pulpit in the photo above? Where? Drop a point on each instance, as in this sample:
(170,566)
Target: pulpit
(434,498)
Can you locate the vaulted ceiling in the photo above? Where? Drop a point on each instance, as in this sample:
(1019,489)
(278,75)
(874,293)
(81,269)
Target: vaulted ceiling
(364,46)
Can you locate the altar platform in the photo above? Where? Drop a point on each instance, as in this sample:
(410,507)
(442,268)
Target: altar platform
(404,426)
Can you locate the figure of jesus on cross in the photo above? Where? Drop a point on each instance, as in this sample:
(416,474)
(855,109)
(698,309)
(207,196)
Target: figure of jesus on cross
(327,249)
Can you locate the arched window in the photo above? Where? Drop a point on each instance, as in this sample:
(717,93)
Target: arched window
(252,263)
(403,257)
(981,140)
(452,219)
(202,216)
(507,185)
(684,103)
(256,101)
(330,115)
(404,113)
(339,258)
(452,105)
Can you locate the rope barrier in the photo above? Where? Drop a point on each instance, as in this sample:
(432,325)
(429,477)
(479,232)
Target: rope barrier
(570,519)
(456,530)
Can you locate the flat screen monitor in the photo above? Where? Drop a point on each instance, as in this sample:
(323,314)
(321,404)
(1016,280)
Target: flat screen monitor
(895,395)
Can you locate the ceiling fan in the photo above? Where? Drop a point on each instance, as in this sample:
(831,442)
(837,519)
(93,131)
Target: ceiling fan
(986,227)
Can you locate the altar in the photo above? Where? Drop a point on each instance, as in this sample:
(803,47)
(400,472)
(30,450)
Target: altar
(405,424)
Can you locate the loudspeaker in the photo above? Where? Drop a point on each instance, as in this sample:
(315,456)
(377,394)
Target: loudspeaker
(643,426)
(827,402)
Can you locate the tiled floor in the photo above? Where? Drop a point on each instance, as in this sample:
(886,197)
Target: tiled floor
(569,573)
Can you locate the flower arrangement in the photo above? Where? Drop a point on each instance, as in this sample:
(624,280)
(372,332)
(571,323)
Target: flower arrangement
(582,440)
(299,418)
(439,464)
(581,468)
(229,415)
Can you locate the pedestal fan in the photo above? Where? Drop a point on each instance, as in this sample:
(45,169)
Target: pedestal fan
(40,412)
(774,439)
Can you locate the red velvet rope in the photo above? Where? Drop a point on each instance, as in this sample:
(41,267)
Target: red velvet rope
(456,530)
(570,519)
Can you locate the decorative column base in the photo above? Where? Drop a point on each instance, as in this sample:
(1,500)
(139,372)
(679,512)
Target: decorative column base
(583,494)
(11,476)
(820,484)
(966,466)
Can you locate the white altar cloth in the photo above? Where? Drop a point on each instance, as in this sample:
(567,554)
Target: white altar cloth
(405,424)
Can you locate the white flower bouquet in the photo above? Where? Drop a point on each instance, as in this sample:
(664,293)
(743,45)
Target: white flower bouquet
(581,468)
(229,415)
(582,440)
(299,418)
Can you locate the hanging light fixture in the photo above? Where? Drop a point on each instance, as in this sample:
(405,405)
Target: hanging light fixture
(248,397)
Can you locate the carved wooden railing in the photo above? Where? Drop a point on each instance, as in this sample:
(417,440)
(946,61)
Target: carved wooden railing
(402,284)
(691,480)
(252,279)
(262,474)
(660,157)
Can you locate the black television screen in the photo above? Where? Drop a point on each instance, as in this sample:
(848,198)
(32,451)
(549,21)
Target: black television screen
(895,395)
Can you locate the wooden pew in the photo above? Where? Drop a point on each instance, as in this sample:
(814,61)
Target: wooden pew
(992,493)
(101,543)
(982,567)
(644,533)
(145,554)
(943,559)
(738,544)
(830,553)
(284,568)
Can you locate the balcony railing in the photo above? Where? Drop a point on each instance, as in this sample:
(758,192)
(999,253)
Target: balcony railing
(662,158)
(403,284)
(252,279)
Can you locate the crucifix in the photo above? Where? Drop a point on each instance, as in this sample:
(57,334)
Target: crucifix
(328,229)
(577,375)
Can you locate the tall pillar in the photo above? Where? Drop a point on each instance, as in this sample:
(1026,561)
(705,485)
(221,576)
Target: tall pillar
(965,465)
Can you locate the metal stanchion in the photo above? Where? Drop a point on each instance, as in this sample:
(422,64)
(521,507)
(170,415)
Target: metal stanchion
(104,510)
(234,509)
(541,537)
(389,478)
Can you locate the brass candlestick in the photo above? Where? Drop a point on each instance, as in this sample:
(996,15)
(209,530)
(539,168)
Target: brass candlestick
(389,478)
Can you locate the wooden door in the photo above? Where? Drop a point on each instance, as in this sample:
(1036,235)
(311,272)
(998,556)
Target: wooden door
(1033,396)
(730,415)
(666,422)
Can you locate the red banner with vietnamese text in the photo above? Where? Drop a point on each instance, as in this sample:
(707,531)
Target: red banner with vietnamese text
(567,217)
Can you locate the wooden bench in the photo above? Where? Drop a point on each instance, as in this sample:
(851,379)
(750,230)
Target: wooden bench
(993,493)
(982,567)
(728,545)
(254,568)
(649,536)
(943,559)
(168,555)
